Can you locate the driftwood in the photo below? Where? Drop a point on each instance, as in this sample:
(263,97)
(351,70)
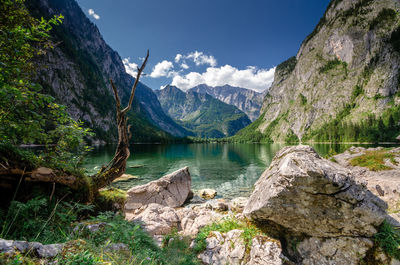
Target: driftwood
(117,165)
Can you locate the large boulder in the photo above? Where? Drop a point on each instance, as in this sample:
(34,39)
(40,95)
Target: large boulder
(310,195)
(171,190)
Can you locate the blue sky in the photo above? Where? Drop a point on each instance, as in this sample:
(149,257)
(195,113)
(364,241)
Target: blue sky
(220,41)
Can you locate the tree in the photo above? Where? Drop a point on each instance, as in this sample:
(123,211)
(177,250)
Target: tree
(117,165)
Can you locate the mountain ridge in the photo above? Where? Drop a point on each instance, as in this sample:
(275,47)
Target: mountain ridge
(343,84)
(77,72)
(247,100)
(201,114)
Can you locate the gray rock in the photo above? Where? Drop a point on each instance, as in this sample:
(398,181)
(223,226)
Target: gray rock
(33,248)
(265,250)
(338,251)
(116,247)
(384,183)
(48,251)
(194,218)
(171,190)
(156,219)
(238,204)
(230,248)
(308,194)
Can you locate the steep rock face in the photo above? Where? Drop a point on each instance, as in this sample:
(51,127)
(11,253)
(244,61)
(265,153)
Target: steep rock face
(77,72)
(347,68)
(246,100)
(202,114)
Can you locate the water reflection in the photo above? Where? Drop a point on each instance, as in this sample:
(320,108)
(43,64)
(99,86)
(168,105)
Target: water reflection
(231,169)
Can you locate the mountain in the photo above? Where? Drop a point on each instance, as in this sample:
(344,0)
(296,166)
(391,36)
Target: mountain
(343,84)
(77,72)
(201,114)
(246,100)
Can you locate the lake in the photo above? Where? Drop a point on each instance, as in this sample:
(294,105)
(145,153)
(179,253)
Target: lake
(229,168)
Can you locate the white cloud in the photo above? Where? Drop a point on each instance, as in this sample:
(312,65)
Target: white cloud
(251,78)
(178,57)
(163,69)
(184,66)
(199,58)
(130,67)
(93,14)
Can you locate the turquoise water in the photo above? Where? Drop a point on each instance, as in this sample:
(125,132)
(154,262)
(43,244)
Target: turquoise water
(230,169)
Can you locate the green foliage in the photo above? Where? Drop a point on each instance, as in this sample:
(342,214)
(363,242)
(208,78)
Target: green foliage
(356,92)
(385,17)
(374,160)
(82,258)
(226,225)
(303,100)
(371,129)
(27,116)
(388,238)
(287,66)
(291,138)
(40,220)
(48,222)
(332,64)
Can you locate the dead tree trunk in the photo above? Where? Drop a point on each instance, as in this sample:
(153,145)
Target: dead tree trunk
(117,165)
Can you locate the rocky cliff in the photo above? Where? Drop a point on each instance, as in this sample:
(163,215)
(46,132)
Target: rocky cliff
(246,100)
(202,114)
(343,84)
(77,70)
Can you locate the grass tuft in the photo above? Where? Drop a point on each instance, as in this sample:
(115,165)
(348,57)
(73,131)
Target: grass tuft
(373,160)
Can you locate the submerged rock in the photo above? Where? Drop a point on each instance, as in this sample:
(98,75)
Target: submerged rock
(207,193)
(171,190)
(308,194)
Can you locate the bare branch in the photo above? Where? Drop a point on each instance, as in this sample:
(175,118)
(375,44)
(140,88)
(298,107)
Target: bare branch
(118,102)
(140,70)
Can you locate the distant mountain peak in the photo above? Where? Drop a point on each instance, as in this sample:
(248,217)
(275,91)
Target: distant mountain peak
(248,101)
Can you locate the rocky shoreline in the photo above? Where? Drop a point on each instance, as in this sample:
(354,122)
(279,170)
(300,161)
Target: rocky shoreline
(304,209)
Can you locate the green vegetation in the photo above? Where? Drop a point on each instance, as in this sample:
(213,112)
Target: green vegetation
(303,100)
(332,64)
(385,17)
(201,114)
(60,222)
(27,115)
(287,66)
(357,91)
(226,225)
(291,138)
(371,129)
(388,238)
(374,160)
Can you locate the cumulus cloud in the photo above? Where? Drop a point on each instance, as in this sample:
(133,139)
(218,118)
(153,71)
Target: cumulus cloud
(93,14)
(199,58)
(130,67)
(251,78)
(185,66)
(178,57)
(163,68)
